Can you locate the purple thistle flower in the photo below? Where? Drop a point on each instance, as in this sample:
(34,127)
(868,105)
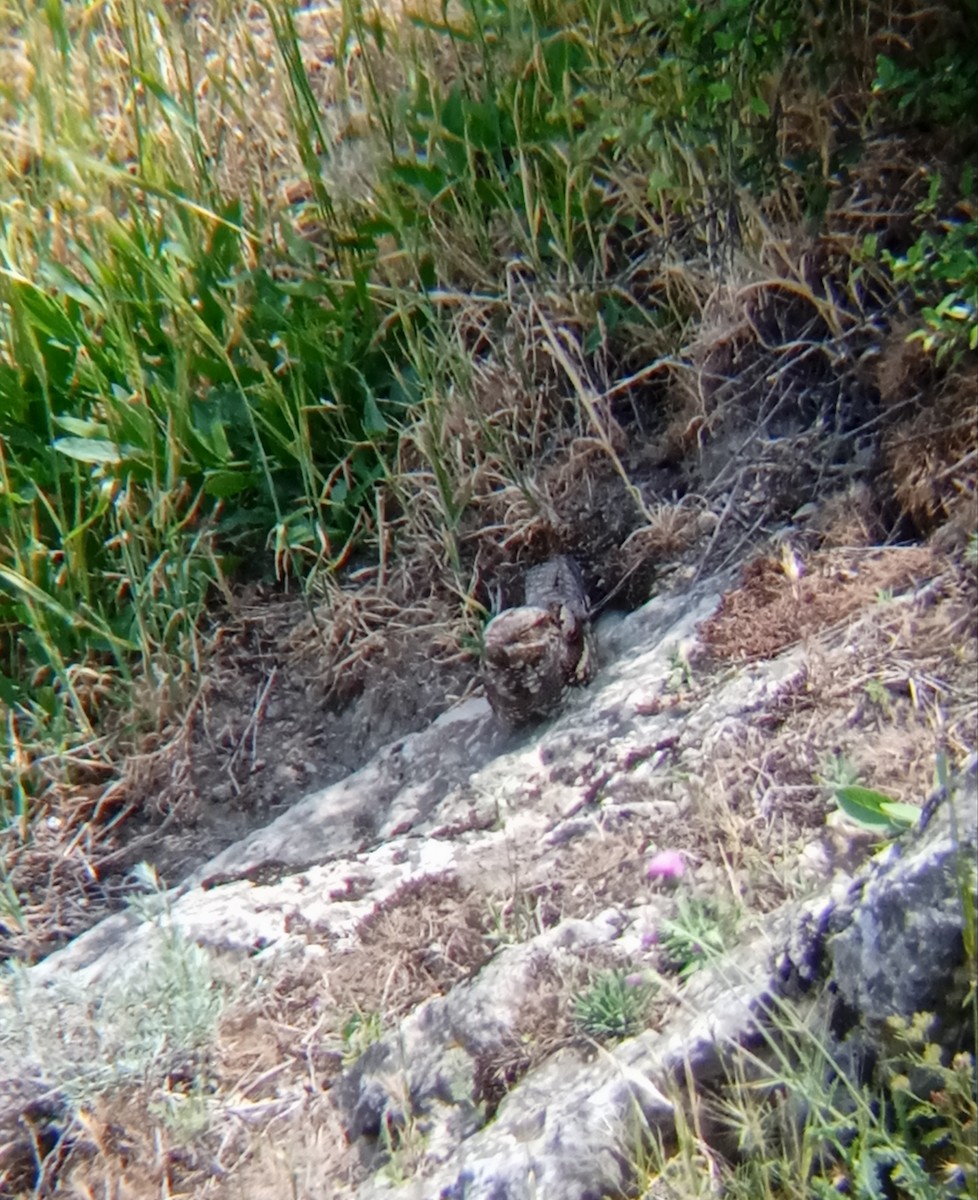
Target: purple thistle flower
(667,866)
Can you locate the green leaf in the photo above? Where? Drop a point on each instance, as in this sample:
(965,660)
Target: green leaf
(89,450)
(11,691)
(81,428)
(46,315)
(226,483)
(428,180)
(373,419)
(886,72)
(864,806)
(904,815)
(658,181)
(166,101)
(721,91)
(62,279)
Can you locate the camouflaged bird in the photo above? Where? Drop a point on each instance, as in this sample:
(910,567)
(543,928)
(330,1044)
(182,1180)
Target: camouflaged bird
(533,653)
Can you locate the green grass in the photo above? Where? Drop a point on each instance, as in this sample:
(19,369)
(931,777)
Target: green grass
(199,371)
(793,1122)
(177,393)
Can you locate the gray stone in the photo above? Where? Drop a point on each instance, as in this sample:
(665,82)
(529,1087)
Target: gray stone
(897,948)
(468,800)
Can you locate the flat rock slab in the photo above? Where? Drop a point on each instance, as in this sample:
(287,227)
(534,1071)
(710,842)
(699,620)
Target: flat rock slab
(406,813)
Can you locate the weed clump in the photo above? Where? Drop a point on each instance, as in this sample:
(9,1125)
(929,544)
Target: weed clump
(613,1005)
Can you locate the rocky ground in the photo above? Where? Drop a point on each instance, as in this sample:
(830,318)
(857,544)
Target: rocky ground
(380,992)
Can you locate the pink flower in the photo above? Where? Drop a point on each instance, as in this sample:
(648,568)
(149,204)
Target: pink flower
(667,866)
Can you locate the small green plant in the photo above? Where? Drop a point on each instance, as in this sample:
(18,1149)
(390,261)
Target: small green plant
(183,1109)
(517,919)
(835,770)
(360,1031)
(935,1103)
(796,1125)
(941,269)
(149,1028)
(174,1007)
(680,670)
(696,935)
(942,91)
(878,694)
(867,807)
(403,1135)
(614,1005)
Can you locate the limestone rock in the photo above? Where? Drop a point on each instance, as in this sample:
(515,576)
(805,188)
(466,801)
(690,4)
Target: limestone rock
(478,807)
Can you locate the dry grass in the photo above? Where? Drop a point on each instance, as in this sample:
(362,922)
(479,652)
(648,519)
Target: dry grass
(932,457)
(218,61)
(275,1135)
(542,1027)
(787,600)
(429,936)
(880,693)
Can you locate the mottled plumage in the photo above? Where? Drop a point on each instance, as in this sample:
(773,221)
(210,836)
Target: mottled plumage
(535,652)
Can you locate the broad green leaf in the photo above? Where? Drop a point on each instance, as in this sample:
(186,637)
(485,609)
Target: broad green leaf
(65,282)
(89,450)
(906,815)
(864,806)
(226,483)
(46,314)
(426,179)
(81,428)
